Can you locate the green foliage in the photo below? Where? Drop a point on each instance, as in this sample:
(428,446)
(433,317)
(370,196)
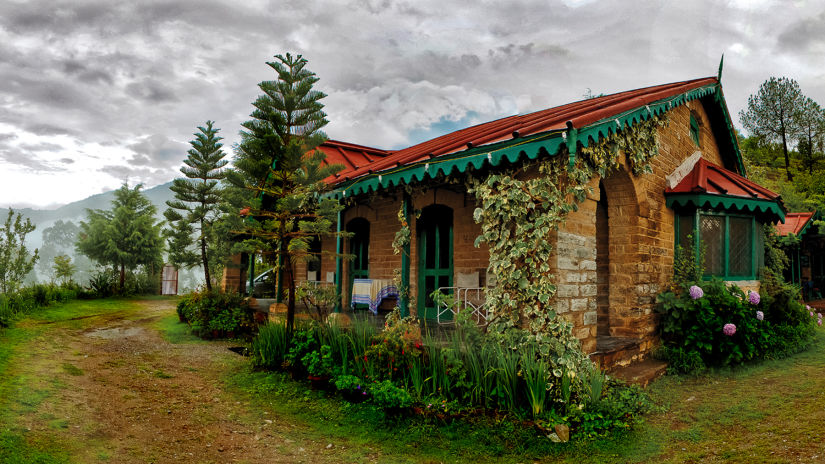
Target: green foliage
(197,197)
(388,396)
(102,284)
(63,268)
(318,298)
(15,259)
(278,163)
(270,346)
(216,313)
(687,267)
(693,333)
(125,237)
(27,300)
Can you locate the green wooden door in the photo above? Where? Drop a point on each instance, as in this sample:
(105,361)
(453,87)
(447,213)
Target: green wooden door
(435,256)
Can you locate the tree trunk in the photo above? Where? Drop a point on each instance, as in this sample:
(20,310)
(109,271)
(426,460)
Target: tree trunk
(787,158)
(122,277)
(205,261)
(290,312)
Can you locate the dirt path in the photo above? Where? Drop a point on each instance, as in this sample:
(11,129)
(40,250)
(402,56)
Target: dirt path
(132,397)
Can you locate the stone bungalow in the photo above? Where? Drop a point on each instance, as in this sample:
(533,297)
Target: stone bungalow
(613,255)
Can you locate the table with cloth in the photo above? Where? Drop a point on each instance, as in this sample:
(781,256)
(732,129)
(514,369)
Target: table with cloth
(372,291)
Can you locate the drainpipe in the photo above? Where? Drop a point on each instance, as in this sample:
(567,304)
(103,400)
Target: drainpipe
(404,301)
(339,263)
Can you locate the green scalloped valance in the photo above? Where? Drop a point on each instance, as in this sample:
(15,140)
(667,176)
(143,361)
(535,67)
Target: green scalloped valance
(727,203)
(546,144)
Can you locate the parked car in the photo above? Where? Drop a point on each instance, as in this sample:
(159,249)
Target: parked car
(264,285)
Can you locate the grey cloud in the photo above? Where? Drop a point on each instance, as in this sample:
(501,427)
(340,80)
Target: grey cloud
(66,160)
(803,35)
(152,91)
(157,151)
(6,137)
(42,146)
(16,156)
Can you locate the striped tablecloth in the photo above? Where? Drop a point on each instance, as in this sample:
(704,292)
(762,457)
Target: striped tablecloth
(372,291)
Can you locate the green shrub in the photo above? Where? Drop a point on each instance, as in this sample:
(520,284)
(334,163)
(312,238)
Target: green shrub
(713,324)
(216,313)
(388,396)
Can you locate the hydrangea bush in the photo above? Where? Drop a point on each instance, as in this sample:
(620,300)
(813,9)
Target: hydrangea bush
(714,324)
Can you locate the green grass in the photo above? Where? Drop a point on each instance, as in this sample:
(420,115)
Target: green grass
(27,380)
(764,413)
(176,332)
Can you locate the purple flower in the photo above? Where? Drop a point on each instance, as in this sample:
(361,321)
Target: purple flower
(819,321)
(812,314)
(696,292)
(808,307)
(753,297)
(760,315)
(729,329)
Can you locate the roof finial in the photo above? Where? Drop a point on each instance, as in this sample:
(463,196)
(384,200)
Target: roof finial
(719,75)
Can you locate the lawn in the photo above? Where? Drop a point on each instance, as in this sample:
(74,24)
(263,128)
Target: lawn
(770,412)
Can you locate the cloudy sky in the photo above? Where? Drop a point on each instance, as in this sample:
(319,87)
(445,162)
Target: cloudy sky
(95,93)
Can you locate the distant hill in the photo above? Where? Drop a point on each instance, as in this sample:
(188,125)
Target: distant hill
(76,212)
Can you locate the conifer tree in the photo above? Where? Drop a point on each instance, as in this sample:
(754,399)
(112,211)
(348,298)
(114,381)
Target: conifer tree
(196,201)
(124,237)
(278,161)
(772,114)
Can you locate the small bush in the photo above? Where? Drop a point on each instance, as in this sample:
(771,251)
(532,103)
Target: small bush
(216,313)
(389,396)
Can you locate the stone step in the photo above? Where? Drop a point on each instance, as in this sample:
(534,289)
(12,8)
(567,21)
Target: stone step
(614,352)
(641,373)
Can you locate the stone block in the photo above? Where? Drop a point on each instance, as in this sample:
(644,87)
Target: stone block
(590,318)
(567,291)
(579,304)
(588,290)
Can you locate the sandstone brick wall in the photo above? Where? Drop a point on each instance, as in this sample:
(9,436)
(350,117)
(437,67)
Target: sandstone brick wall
(621,284)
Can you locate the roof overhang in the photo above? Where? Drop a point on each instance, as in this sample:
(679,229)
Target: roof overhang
(769,209)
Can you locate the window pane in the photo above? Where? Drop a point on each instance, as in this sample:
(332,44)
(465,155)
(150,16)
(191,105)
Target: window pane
(686,229)
(710,231)
(740,251)
(444,246)
(429,247)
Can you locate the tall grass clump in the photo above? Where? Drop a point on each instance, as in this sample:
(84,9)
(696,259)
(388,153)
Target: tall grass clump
(270,346)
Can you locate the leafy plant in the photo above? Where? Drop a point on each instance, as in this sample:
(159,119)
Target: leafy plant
(390,397)
(270,345)
(535,372)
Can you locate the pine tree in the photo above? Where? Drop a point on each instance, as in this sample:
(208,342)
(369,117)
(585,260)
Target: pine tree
(811,119)
(772,114)
(196,200)
(278,162)
(124,237)
(63,268)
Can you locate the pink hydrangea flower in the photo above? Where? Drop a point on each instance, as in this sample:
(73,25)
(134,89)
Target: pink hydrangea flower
(819,321)
(760,315)
(696,292)
(808,307)
(753,297)
(729,329)
(812,313)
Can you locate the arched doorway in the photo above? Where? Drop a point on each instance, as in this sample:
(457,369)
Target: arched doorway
(435,255)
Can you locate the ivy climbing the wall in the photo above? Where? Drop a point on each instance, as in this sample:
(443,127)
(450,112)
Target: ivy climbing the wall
(519,210)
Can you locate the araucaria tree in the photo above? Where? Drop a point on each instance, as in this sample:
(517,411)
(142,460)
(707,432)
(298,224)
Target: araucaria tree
(196,201)
(772,114)
(15,259)
(278,161)
(124,237)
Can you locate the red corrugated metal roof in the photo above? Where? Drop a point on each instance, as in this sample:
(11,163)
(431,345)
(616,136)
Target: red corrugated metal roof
(350,155)
(581,114)
(794,223)
(706,177)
